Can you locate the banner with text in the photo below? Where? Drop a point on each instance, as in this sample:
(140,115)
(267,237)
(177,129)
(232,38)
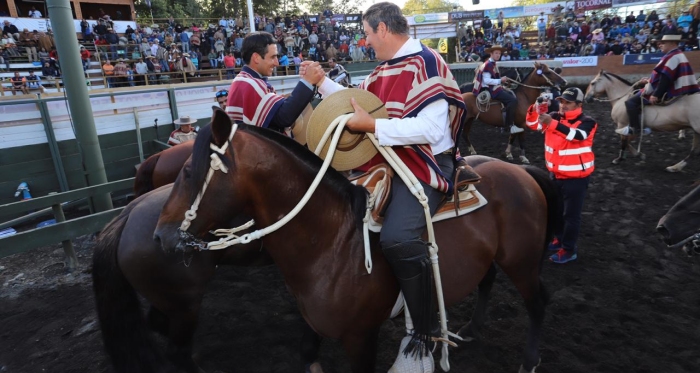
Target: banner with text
(641,59)
(585,5)
(510,12)
(578,61)
(424,19)
(466,15)
(44,24)
(618,3)
(535,10)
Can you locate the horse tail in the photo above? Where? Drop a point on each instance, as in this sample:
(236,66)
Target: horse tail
(555,205)
(143,182)
(126,337)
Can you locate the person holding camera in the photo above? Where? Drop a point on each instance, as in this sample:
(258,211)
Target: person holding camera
(568,140)
(33,13)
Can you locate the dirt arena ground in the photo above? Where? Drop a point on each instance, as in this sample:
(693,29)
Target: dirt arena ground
(627,305)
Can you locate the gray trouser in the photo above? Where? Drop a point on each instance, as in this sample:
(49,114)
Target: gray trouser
(404,219)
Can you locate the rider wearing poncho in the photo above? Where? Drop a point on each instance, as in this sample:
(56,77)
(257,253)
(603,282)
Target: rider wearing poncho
(672,77)
(252,100)
(425,116)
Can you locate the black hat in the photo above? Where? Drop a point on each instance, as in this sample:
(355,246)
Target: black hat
(572,94)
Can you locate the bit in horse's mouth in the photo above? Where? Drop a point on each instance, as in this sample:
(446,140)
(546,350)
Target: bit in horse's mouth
(188,240)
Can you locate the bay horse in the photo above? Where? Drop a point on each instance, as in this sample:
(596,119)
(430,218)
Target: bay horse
(680,115)
(319,252)
(680,226)
(526,93)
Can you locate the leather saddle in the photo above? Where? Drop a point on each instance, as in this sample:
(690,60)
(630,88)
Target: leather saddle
(377,180)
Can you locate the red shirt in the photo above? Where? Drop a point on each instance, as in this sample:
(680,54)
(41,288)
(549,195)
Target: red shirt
(84,54)
(229,61)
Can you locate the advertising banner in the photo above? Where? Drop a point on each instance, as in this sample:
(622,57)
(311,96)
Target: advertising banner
(466,15)
(43,24)
(353,18)
(642,59)
(578,61)
(585,5)
(424,19)
(510,12)
(620,3)
(535,10)
(338,17)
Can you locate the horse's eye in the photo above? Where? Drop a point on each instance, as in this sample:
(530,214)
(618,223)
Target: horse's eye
(186,171)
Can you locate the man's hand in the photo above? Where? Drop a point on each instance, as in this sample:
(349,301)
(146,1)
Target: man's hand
(504,79)
(653,100)
(312,72)
(643,81)
(361,121)
(545,119)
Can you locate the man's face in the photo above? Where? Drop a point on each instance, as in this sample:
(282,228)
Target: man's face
(267,63)
(496,55)
(186,128)
(222,102)
(331,63)
(665,46)
(566,106)
(375,39)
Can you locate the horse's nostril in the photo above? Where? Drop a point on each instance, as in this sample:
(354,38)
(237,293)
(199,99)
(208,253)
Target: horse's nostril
(663,231)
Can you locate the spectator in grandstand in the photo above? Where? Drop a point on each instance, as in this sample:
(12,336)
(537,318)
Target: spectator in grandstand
(85,57)
(684,21)
(34,82)
(120,73)
(669,28)
(108,71)
(29,41)
(229,63)
(141,69)
(10,30)
(4,58)
(19,84)
(33,13)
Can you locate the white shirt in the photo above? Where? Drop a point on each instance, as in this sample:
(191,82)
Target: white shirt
(154,49)
(488,80)
(34,14)
(431,125)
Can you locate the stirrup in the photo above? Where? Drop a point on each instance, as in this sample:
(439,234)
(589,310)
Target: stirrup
(465,174)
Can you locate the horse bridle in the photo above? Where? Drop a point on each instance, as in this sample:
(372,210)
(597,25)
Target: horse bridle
(611,99)
(693,239)
(541,73)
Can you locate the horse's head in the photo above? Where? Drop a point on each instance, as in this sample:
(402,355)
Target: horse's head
(596,87)
(544,76)
(681,224)
(203,188)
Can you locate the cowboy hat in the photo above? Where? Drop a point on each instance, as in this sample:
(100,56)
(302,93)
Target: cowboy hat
(671,38)
(185,120)
(354,149)
(598,30)
(495,48)
(300,126)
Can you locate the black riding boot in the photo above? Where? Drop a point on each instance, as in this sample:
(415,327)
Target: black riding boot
(465,174)
(411,265)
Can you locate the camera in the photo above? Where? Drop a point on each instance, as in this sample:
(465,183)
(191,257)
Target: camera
(547,95)
(540,100)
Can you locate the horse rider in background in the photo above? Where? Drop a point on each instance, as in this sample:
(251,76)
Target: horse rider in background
(488,78)
(672,77)
(185,132)
(252,100)
(338,73)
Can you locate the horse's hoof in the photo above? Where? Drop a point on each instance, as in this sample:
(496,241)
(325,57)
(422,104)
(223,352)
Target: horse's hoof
(509,156)
(472,152)
(523,370)
(468,334)
(314,368)
(642,156)
(524,160)
(616,161)
(678,167)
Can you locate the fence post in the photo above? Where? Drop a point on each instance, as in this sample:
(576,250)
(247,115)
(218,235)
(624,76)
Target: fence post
(71,259)
(220,76)
(173,104)
(53,145)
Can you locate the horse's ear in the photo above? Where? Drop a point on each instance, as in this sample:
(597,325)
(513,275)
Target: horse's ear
(220,126)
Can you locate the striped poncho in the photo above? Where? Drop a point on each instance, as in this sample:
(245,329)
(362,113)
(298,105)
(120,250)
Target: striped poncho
(676,67)
(252,100)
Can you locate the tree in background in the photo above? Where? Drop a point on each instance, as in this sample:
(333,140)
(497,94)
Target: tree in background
(413,7)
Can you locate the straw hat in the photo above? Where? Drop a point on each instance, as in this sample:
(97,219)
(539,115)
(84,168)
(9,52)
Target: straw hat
(495,48)
(597,31)
(671,38)
(300,126)
(354,149)
(185,120)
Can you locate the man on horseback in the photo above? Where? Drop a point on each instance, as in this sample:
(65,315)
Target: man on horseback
(568,140)
(185,132)
(672,77)
(426,113)
(488,78)
(252,100)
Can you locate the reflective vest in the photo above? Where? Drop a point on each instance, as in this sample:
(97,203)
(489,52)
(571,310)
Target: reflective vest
(566,157)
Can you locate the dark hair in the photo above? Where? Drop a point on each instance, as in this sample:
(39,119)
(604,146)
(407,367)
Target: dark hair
(390,14)
(256,42)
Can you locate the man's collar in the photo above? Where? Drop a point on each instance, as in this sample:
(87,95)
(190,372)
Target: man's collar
(252,72)
(411,46)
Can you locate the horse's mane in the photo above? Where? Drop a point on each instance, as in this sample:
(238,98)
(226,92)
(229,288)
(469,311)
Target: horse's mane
(356,196)
(606,74)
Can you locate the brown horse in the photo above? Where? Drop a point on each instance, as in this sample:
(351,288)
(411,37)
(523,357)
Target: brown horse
(319,252)
(526,93)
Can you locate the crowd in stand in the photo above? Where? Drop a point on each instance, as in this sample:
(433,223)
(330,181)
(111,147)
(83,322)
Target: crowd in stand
(571,34)
(174,47)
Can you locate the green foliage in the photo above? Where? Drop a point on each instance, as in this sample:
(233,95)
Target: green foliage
(339,7)
(412,7)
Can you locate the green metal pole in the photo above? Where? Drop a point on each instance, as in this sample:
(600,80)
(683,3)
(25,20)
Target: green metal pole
(78,99)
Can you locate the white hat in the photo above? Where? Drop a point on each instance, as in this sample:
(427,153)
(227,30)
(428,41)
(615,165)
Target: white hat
(185,120)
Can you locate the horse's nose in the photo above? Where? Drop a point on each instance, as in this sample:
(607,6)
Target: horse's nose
(664,232)
(589,98)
